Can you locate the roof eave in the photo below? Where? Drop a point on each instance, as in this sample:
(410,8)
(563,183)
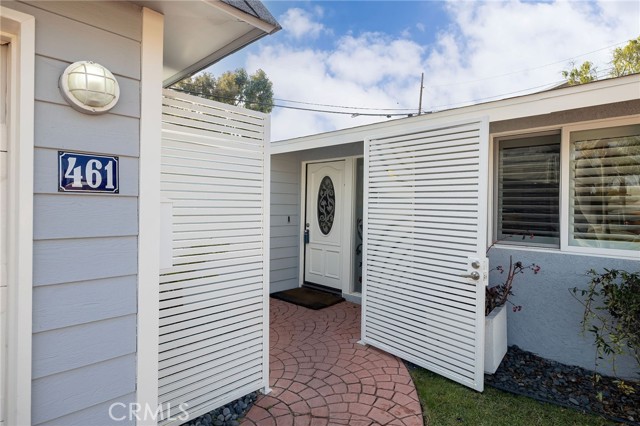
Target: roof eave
(199,33)
(216,56)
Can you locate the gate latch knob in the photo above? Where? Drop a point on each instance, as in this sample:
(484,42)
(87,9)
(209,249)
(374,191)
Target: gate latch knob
(474,275)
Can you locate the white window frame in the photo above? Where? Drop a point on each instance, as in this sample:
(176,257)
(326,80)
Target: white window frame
(565,153)
(565,147)
(19,30)
(495,208)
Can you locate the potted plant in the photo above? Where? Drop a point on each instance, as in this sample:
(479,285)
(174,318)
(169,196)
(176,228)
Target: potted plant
(495,325)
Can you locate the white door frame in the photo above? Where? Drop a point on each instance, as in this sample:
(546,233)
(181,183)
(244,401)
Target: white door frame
(19,30)
(347,211)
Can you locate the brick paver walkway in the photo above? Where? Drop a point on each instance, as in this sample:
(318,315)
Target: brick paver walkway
(320,375)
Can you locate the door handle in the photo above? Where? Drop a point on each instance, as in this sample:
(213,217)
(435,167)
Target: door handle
(474,275)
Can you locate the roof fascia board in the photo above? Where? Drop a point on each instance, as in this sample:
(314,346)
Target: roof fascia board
(593,94)
(243,16)
(237,44)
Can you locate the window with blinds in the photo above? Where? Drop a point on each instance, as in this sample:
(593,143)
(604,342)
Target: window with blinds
(604,209)
(528,191)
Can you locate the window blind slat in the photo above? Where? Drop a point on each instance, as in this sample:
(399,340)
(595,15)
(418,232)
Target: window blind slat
(605,187)
(528,190)
(610,172)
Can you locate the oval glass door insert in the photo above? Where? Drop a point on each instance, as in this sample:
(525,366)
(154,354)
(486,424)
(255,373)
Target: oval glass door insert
(326,205)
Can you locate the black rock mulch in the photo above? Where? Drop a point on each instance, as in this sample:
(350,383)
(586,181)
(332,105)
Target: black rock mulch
(527,374)
(227,415)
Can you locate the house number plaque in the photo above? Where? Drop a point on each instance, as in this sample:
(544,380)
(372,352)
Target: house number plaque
(79,172)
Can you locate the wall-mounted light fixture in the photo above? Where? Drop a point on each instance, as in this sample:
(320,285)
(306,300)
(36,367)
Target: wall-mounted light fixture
(89,87)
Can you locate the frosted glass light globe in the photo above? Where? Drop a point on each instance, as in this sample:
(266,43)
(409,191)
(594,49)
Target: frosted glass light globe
(89,87)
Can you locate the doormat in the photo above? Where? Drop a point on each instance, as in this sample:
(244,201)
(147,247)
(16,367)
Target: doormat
(308,298)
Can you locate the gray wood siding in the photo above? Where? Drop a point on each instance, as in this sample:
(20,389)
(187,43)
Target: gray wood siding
(65,393)
(69,260)
(71,216)
(63,305)
(66,348)
(99,414)
(285,221)
(72,40)
(62,127)
(85,246)
(114,16)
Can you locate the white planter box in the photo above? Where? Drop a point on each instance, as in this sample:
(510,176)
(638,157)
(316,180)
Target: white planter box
(495,339)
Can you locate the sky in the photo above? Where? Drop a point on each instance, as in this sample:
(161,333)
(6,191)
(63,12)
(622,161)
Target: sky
(367,57)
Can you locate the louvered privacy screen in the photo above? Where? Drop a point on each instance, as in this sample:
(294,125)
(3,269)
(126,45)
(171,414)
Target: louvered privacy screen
(529,190)
(605,188)
(425,216)
(213,300)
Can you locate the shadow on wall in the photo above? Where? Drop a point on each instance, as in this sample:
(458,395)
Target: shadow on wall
(549,322)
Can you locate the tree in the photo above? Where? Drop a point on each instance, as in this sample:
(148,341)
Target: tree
(253,91)
(583,74)
(259,91)
(625,60)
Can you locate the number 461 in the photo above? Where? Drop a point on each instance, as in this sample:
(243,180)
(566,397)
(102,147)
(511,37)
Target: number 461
(91,173)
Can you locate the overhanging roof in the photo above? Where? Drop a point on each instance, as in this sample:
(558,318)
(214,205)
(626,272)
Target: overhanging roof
(600,92)
(198,33)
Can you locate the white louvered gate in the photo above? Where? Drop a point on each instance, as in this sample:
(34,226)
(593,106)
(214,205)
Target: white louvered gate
(214,300)
(425,228)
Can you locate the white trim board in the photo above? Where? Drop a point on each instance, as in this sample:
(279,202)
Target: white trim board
(266,275)
(148,219)
(19,29)
(587,95)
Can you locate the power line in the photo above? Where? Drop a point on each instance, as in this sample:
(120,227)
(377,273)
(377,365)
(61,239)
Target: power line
(344,106)
(457,83)
(407,111)
(327,105)
(351,113)
(599,76)
(495,97)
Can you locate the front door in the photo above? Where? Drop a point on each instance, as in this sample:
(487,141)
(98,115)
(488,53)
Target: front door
(325,224)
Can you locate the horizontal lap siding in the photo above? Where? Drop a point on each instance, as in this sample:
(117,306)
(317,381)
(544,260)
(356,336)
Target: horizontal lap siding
(85,246)
(212,300)
(285,221)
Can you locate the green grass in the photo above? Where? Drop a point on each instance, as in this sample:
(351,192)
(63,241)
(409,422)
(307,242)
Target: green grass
(445,403)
